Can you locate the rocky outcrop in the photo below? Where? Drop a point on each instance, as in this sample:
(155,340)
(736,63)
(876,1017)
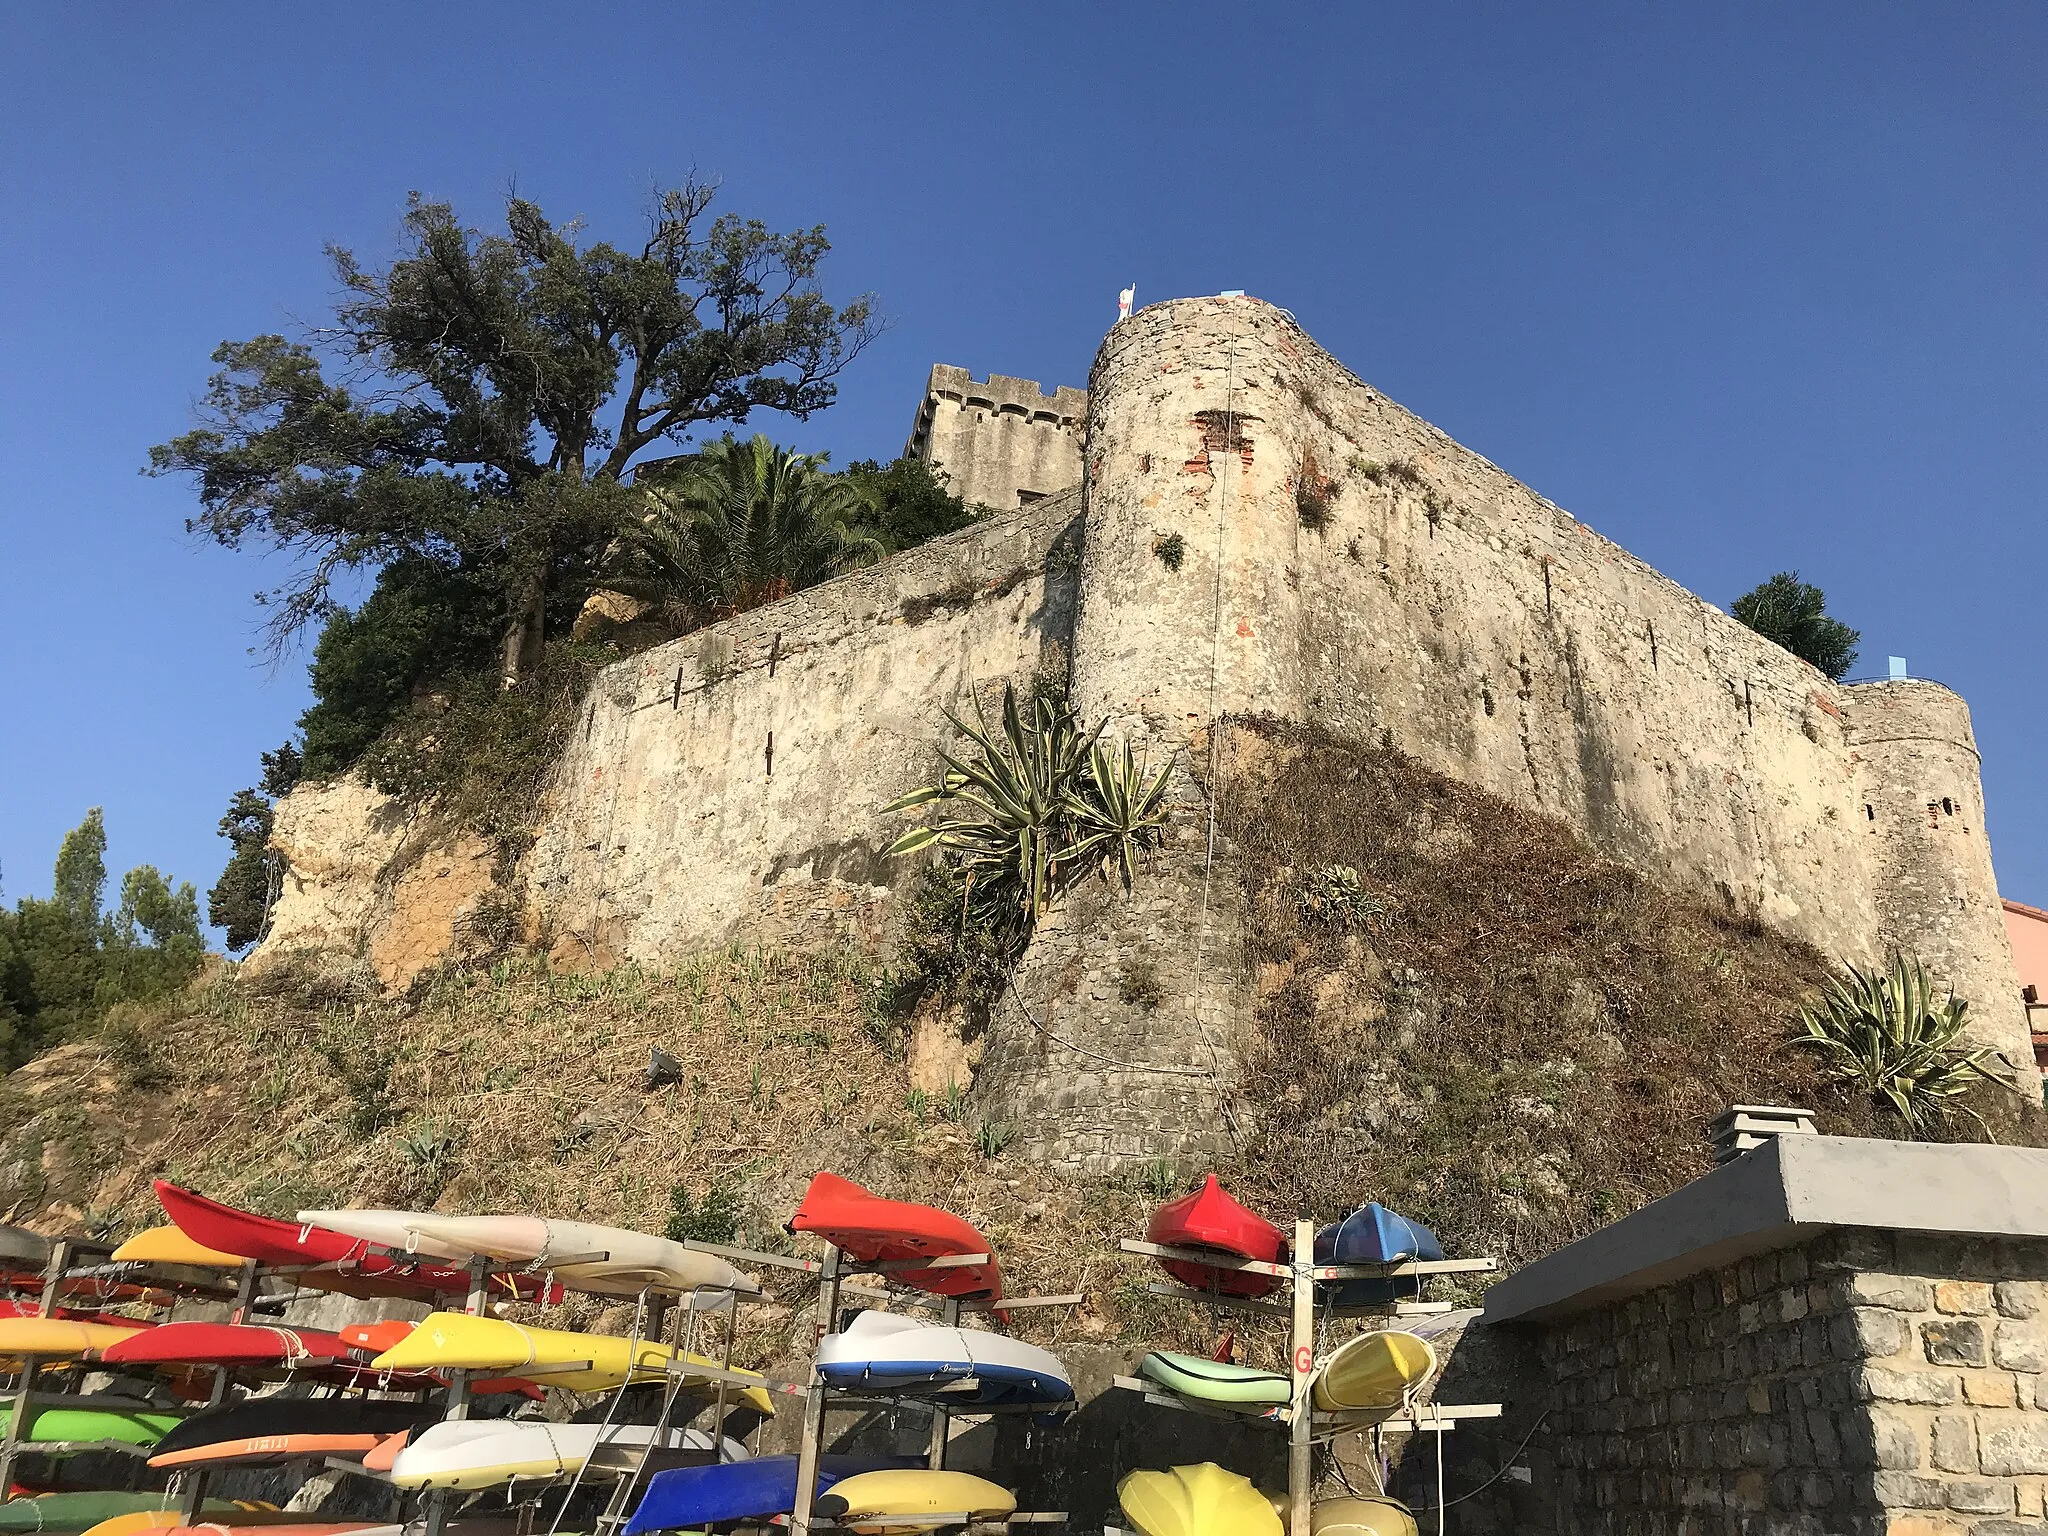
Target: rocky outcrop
(364,876)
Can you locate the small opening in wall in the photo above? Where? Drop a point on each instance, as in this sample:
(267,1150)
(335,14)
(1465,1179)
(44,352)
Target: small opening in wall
(1948,806)
(1870,813)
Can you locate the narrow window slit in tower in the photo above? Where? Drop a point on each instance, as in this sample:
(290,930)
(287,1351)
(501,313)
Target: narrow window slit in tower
(1948,806)
(1870,813)
(774,652)
(1748,703)
(1652,628)
(590,720)
(768,757)
(1546,585)
(675,698)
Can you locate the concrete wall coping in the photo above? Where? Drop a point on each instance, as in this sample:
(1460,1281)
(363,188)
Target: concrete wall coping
(1778,1195)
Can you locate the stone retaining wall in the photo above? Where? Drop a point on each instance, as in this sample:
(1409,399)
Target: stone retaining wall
(1864,1382)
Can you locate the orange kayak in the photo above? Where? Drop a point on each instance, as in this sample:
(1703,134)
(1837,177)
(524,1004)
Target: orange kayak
(874,1230)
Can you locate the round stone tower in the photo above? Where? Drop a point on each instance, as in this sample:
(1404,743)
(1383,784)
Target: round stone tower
(1190,606)
(1920,801)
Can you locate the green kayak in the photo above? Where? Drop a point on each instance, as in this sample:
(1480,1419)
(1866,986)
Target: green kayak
(1213,1381)
(136,1426)
(79,1511)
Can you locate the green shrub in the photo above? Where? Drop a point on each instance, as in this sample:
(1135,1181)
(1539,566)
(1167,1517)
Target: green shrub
(1886,1034)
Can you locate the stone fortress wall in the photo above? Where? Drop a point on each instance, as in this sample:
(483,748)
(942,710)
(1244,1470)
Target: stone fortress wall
(1344,563)
(1340,562)
(1002,442)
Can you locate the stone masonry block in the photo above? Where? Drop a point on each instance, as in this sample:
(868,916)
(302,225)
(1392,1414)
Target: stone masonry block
(1990,1389)
(1884,1385)
(1958,1342)
(2016,1347)
(1919,1525)
(1865,1333)
(2012,1445)
(1902,1293)
(1980,1496)
(1968,1298)
(1895,1440)
(1907,1490)
(2009,1528)
(1955,1442)
(2018,1298)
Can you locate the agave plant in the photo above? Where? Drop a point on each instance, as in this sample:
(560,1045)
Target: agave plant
(1888,1033)
(1038,804)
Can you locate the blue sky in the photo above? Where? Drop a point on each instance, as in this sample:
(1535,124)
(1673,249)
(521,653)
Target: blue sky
(1746,287)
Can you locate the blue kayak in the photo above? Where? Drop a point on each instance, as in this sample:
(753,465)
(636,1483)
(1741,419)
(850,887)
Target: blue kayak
(754,1489)
(1372,1234)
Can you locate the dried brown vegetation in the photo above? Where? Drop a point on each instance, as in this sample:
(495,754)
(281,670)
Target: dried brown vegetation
(1525,1042)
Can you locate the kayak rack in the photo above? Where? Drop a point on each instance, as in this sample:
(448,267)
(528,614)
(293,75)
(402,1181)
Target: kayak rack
(833,1271)
(1306,1425)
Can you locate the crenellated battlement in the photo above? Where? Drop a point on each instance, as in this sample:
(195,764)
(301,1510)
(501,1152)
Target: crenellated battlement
(1002,442)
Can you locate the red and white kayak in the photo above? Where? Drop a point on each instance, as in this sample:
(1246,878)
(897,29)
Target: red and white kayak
(359,1268)
(874,1230)
(1210,1219)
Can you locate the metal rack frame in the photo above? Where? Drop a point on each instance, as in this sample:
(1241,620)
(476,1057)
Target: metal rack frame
(1306,1424)
(832,1271)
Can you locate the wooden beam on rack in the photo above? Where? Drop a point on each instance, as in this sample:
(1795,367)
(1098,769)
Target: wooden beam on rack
(1208,1258)
(1302,1347)
(1421,1419)
(1406,1267)
(1016,1303)
(1160,1397)
(800,1523)
(756,1256)
(1214,1299)
(919,1266)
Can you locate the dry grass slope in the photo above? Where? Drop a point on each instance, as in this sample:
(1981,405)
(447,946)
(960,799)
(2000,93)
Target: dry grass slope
(1511,1038)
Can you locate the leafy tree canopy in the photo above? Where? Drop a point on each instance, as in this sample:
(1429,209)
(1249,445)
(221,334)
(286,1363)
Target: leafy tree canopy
(907,503)
(1794,614)
(492,392)
(240,899)
(62,963)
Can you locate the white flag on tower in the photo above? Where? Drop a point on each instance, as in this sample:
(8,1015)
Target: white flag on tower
(1124,300)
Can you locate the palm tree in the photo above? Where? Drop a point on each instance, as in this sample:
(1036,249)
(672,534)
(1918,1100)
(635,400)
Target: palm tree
(736,525)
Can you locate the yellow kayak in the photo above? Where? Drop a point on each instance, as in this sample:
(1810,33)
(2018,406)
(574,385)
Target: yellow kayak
(1361,1517)
(170,1245)
(1374,1373)
(59,1337)
(894,1500)
(457,1341)
(1202,1500)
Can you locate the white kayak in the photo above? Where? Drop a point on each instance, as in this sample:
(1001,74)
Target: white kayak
(885,1353)
(487,1453)
(632,1260)
(397,1230)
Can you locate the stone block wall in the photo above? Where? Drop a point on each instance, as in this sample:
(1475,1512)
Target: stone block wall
(1866,1383)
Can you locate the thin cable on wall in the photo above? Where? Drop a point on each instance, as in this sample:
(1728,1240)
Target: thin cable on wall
(1215,784)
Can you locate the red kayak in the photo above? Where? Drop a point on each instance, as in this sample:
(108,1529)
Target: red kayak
(1210,1219)
(361,1269)
(874,1231)
(311,1352)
